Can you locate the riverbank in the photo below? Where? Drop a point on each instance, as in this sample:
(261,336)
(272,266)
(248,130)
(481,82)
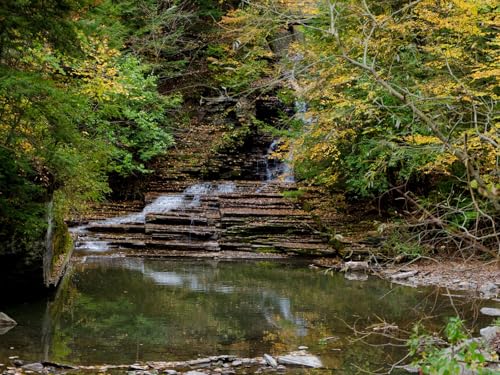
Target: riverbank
(481,278)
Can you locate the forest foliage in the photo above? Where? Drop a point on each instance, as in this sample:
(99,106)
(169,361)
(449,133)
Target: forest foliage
(402,104)
(394,100)
(79,102)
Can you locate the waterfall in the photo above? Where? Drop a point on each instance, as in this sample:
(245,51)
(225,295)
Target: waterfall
(281,170)
(278,170)
(189,198)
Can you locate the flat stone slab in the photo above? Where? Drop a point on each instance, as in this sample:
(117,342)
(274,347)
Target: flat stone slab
(490,311)
(299,359)
(403,275)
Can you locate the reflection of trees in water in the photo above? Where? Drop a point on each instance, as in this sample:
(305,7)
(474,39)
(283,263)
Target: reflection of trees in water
(117,309)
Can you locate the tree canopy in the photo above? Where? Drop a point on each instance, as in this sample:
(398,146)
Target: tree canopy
(402,102)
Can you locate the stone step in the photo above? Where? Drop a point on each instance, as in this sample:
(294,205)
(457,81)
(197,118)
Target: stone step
(184,245)
(160,228)
(176,219)
(264,213)
(309,239)
(116,228)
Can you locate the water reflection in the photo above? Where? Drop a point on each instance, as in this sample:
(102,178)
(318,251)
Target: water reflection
(121,310)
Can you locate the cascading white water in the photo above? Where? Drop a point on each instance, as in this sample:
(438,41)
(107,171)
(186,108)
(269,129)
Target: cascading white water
(277,170)
(95,246)
(190,197)
(160,205)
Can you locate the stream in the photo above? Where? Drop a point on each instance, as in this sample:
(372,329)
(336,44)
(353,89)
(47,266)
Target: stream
(120,310)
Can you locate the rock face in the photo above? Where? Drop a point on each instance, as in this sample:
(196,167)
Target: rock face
(6,321)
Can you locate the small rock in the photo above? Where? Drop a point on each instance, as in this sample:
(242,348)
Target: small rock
(13,357)
(6,320)
(170,372)
(489,333)
(281,368)
(300,360)
(356,276)
(490,311)
(236,363)
(17,362)
(270,361)
(194,372)
(302,347)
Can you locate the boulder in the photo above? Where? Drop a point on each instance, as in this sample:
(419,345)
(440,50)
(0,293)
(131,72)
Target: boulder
(6,321)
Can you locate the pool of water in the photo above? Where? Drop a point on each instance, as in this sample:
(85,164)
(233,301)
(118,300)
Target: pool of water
(122,310)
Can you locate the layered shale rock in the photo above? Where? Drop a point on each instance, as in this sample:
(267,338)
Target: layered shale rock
(240,216)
